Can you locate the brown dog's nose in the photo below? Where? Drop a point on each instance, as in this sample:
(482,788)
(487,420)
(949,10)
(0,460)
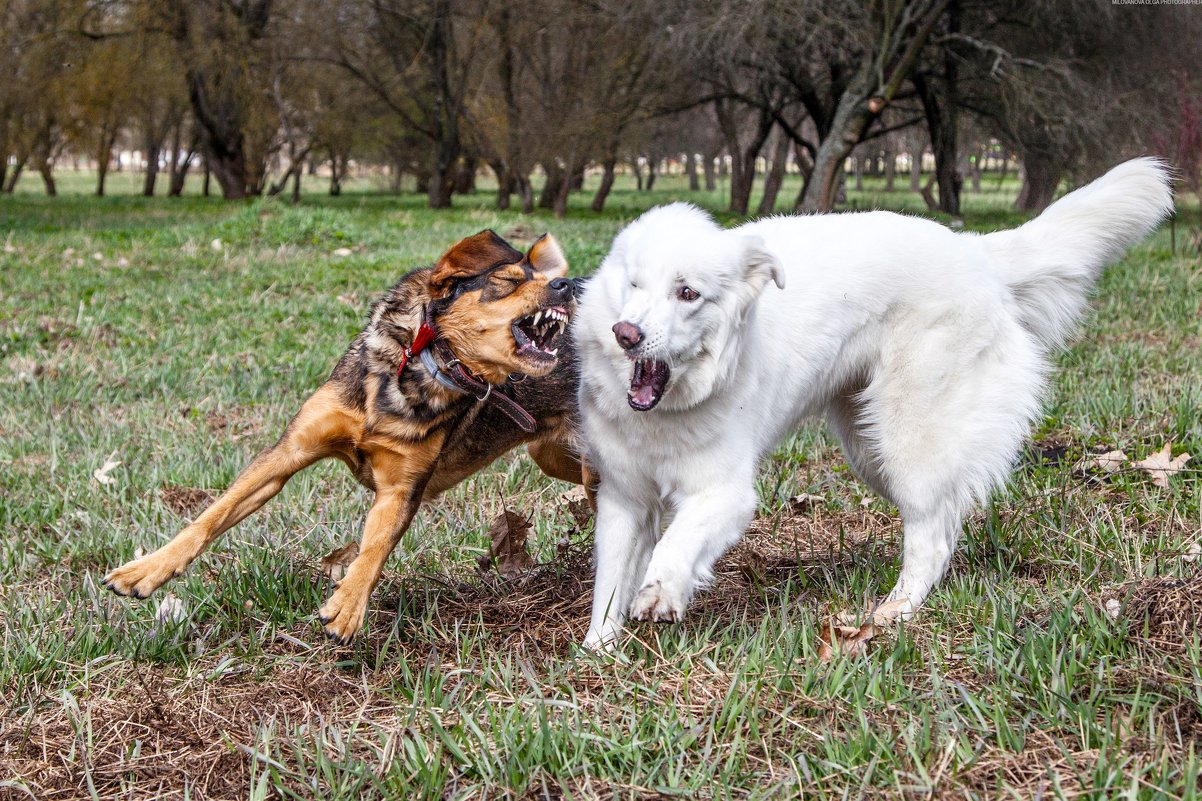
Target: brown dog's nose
(628,334)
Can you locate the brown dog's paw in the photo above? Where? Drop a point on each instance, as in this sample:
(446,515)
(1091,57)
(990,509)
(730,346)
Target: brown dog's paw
(656,602)
(141,577)
(342,615)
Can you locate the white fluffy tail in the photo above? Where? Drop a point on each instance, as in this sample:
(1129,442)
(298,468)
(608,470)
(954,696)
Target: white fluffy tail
(1051,263)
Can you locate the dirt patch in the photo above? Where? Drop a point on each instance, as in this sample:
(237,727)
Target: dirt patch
(151,733)
(545,612)
(187,502)
(1164,614)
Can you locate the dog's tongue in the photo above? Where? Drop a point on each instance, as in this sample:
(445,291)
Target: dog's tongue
(647,385)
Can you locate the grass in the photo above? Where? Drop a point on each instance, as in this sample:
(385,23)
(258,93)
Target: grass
(127,331)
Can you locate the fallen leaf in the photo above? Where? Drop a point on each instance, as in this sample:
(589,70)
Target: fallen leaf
(98,256)
(1162,464)
(217,245)
(1109,462)
(101,474)
(889,611)
(1113,607)
(122,262)
(171,610)
(508,533)
(1192,552)
(338,561)
(805,502)
(343,252)
(836,638)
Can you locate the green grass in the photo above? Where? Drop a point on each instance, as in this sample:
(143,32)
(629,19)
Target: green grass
(125,331)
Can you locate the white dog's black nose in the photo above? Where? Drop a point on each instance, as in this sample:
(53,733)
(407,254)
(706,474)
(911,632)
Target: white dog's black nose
(628,335)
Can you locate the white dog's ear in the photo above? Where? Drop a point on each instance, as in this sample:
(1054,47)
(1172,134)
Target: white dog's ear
(762,264)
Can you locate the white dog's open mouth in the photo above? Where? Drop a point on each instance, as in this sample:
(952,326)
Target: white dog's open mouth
(647,384)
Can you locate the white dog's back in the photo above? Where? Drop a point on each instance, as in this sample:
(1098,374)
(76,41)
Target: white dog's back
(926,350)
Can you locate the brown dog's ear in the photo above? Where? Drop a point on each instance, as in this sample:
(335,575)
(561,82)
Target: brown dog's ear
(470,257)
(546,257)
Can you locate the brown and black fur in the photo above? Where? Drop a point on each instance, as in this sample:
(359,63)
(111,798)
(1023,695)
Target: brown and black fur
(408,438)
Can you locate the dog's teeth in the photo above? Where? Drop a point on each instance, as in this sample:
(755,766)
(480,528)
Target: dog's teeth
(538,316)
(554,351)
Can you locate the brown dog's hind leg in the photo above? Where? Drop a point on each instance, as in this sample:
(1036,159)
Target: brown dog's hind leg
(558,460)
(315,432)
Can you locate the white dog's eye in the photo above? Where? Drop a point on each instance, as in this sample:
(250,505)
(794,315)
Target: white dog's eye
(687,294)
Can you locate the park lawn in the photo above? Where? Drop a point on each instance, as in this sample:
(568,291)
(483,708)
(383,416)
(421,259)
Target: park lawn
(1060,657)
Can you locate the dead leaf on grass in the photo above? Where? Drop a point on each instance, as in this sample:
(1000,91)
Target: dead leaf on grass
(335,564)
(836,637)
(805,502)
(1163,464)
(101,474)
(889,611)
(171,610)
(508,533)
(1109,462)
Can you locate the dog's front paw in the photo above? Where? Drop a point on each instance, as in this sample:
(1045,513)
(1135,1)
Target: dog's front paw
(141,577)
(342,614)
(659,603)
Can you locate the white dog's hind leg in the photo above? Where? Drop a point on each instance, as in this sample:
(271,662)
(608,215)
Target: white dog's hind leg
(705,526)
(929,540)
(622,546)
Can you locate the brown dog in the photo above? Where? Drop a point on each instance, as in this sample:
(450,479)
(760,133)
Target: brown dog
(421,400)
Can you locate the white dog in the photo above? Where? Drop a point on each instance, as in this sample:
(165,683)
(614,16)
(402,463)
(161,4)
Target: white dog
(926,350)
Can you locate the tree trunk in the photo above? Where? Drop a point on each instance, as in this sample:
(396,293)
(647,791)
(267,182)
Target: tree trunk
(565,190)
(607,183)
(916,170)
(776,174)
(890,166)
(805,165)
(939,106)
(296,183)
(1040,177)
(637,169)
(707,168)
(652,171)
(152,170)
(204,186)
(504,183)
(555,177)
(465,177)
(11,183)
(690,168)
(525,191)
(46,170)
(857,166)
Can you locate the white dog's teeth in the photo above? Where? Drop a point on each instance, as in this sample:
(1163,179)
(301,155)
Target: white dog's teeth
(554,351)
(538,315)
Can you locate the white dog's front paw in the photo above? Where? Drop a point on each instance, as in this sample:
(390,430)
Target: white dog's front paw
(658,602)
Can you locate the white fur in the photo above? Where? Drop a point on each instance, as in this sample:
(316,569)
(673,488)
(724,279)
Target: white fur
(926,350)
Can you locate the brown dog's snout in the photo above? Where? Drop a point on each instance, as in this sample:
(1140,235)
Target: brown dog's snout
(628,335)
(561,289)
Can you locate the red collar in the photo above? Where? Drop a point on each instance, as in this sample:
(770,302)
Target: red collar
(425,335)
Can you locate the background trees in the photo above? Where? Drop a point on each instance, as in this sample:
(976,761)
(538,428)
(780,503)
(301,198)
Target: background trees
(257,92)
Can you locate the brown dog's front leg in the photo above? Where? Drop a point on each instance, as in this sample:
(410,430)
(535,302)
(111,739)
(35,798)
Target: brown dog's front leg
(400,480)
(310,436)
(389,518)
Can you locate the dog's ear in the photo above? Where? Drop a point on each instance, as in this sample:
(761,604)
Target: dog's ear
(546,257)
(470,257)
(761,264)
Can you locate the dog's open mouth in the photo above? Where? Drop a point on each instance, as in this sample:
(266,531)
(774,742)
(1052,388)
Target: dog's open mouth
(647,384)
(537,335)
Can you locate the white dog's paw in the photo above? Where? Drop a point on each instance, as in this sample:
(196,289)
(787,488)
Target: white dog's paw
(659,603)
(603,641)
(896,607)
